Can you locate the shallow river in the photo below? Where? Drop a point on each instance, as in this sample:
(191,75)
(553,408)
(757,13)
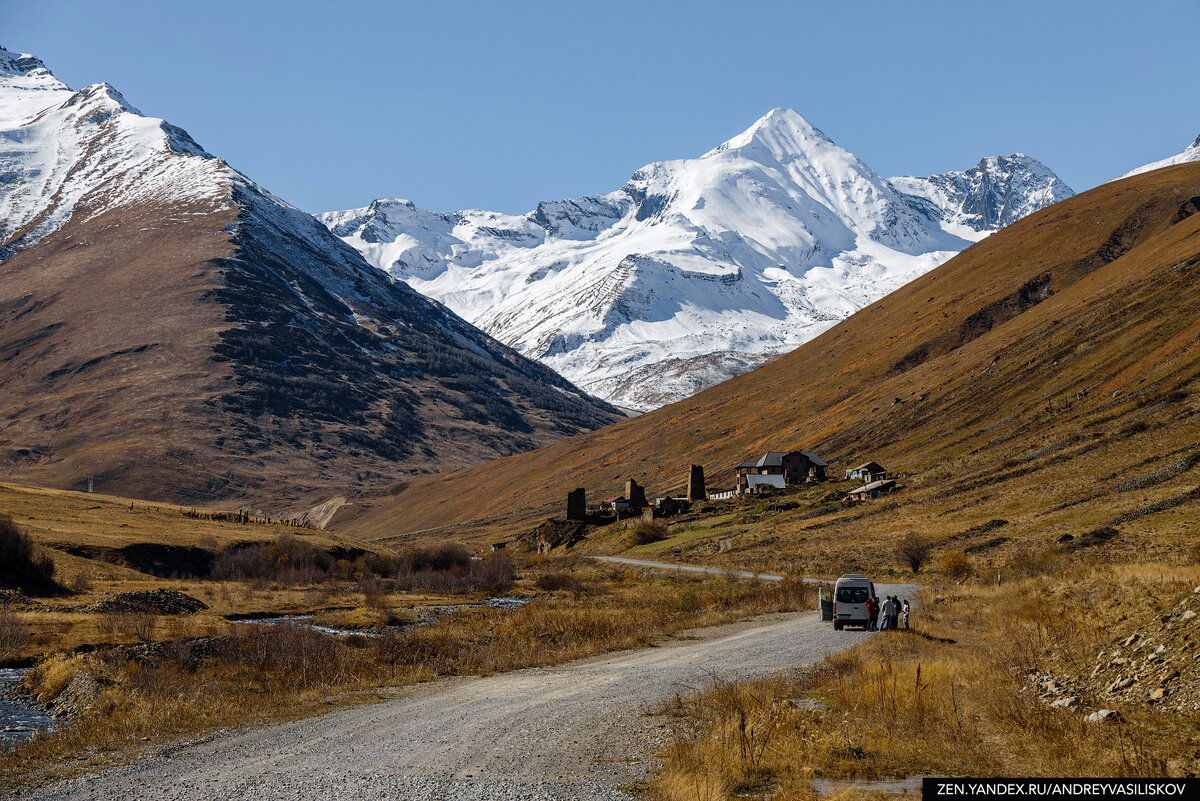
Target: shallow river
(18,720)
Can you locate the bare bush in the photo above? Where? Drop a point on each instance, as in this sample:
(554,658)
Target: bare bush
(134,625)
(646,531)
(551,582)
(494,573)
(21,566)
(374,592)
(914,550)
(285,560)
(441,557)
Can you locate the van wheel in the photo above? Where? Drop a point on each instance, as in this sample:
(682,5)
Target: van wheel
(837,626)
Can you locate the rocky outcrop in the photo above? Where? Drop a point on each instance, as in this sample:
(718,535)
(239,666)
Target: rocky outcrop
(152,602)
(78,697)
(1158,664)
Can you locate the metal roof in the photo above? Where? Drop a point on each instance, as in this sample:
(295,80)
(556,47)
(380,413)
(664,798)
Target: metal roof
(772,459)
(775,459)
(872,486)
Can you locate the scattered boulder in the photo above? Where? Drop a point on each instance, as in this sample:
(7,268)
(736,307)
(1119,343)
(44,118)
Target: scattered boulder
(1065,703)
(1156,664)
(1104,716)
(152,602)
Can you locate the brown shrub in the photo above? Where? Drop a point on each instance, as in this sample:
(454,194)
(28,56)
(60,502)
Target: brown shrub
(956,565)
(646,531)
(550,582)
(285,560)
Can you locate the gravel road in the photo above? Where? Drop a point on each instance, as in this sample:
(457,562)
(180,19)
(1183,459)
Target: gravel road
(575,731)
(712,571)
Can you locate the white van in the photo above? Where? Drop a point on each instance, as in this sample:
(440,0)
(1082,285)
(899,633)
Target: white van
(850,596)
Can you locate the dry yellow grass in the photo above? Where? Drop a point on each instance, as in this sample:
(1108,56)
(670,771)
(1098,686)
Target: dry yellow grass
(63,517)
(259,673)
(951,697)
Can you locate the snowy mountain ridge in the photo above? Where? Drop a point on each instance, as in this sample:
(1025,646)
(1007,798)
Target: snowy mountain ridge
(59,145)
(996,192)
(1188,154)
(696,269)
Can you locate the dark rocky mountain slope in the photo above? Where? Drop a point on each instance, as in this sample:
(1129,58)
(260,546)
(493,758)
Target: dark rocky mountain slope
(171,330)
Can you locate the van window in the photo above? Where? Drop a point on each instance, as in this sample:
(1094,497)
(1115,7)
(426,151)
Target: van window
(852,595)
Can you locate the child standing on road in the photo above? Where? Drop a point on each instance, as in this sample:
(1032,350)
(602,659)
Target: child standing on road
(904,610)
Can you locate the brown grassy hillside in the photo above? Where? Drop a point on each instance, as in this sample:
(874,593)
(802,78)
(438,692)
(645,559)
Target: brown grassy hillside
(1045,365)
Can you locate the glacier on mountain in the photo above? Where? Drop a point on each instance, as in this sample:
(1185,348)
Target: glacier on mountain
(696,269)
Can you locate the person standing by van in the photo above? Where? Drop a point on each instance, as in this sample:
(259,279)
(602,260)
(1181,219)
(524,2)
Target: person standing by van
(889,612)
(873,612)
(904,610)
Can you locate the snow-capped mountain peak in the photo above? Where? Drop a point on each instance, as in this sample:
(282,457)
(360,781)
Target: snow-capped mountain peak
(150,274)
(694,271)
(102,97)
(781,131)
(26,87)
(50,155)
(996,192)
(22,65)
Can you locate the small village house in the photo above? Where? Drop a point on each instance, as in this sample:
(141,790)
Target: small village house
(871,491)
(617,504)
(868,473)
(781,468)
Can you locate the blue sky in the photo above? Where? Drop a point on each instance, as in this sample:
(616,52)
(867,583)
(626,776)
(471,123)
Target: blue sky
(500,105)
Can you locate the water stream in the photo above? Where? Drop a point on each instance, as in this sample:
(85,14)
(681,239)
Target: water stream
(427,616)
(18,720)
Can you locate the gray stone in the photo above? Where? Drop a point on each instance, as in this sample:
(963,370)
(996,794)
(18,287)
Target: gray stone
(1120,684)
(1103,716)
(1065,703)
(78,696)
